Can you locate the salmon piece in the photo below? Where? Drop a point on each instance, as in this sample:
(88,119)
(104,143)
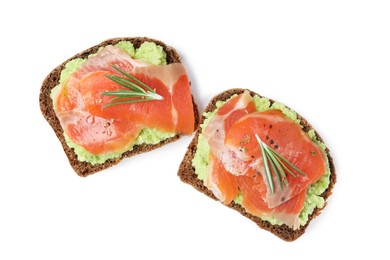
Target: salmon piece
(174,78)
(152,114)
(69,97)
(109,55)
(172,114)
(236,108)
(288,139)
(252,200)
(227,115)
(182,103)
(226,186)
(223,184)
(98,135)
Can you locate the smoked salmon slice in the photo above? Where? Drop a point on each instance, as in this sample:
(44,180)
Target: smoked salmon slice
(96,83)
(226,186)
(287,138)
(222,183)
(216,130)
(69,96)
(80,105)
(252,201)
(98,135)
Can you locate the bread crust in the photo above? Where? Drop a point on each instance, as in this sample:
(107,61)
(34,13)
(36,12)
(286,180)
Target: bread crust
(187,174)
(84,169)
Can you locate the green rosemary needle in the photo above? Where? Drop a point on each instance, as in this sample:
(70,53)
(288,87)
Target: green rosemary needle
(278,165)
(136,91)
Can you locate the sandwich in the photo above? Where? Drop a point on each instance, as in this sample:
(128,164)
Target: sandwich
(262,159)
(122,97)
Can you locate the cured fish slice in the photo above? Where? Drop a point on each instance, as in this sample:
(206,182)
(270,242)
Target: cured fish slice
(109,55)
(226,186)
(183,105)
(288,139)
(152,114)
(68,96)
(98,135)
(223,184)
(252,200)
(172,114)
(227,115)
(174,78)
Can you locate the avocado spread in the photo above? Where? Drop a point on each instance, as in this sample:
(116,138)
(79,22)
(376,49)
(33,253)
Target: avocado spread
(148,52)
(313,199)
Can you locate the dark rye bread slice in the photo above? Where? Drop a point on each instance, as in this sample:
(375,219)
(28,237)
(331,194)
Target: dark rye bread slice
(84,168)
(187,174)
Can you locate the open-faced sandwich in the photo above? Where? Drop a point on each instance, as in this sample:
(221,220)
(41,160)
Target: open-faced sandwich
(262,159)
(119,98)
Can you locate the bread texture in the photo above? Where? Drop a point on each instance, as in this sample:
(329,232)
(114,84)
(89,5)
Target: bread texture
(187,174)
(46,104)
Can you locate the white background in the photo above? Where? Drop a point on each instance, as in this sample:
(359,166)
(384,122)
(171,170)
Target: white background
(328,60)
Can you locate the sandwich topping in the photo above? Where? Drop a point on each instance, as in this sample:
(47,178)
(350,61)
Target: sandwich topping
(135,90)
(107,104)
(257,154)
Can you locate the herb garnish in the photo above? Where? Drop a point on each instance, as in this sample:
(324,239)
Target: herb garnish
(134,93)
(278,165)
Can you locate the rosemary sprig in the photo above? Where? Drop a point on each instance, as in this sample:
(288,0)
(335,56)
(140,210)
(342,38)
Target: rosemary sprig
(134,92)
(278,165)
